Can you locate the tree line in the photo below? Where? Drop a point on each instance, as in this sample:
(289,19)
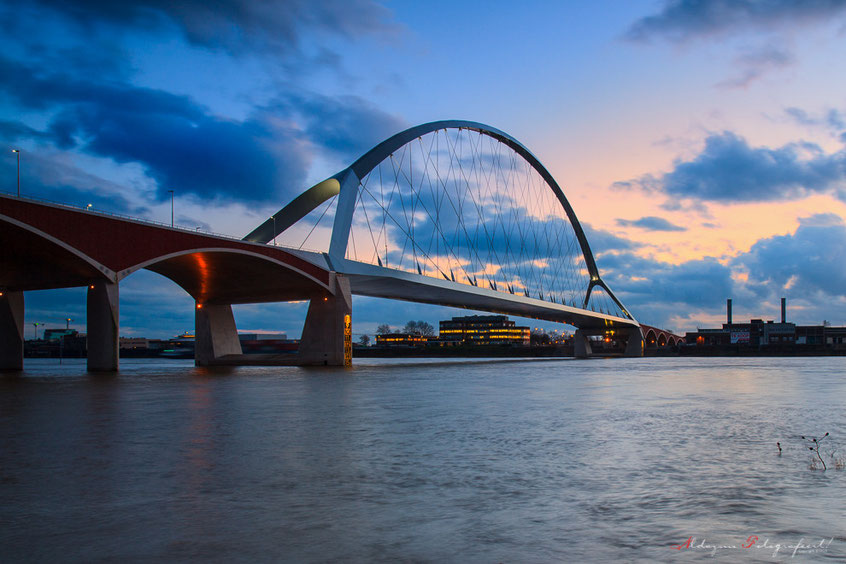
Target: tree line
(412,328)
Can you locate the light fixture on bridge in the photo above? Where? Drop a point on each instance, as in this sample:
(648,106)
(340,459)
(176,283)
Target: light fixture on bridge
(199,306)
(18,154)
(88,207)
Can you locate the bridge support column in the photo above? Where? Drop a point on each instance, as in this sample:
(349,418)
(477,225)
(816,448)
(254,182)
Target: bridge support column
(103,312)
(581,345)
(322,342)
(215,333)
(634,346)
(11,330)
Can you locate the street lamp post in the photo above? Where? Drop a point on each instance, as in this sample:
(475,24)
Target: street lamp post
(273,217)
(18,153)
(171,207)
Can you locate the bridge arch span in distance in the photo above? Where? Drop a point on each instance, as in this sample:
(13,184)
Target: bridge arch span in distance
(461,202)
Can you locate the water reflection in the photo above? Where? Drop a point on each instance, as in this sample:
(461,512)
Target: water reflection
(504,461)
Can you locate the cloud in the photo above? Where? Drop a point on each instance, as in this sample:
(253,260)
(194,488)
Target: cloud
(49,177)
(810,261)
(14,130)
(831,120)
(808,266)
(650,223)
(482,233)
(67,82)
(683,20)
(729,170)
(602,241)
(642,282)
(183,146)
(347,126)
(754,64)
(234,26)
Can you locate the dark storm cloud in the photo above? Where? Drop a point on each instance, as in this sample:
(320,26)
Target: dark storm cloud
(235,26)
(182,145)
(40,88)
(14,130)
(651,223)
(729,170)
(681,20)
(813,259)
(347,126)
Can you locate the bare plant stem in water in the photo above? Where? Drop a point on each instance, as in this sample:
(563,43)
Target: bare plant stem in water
(816,448)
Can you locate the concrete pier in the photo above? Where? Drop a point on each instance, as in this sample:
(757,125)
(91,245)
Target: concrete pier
(634,345)
(581,345)
(215,333)
(11,330)
(322,341)
(103,312)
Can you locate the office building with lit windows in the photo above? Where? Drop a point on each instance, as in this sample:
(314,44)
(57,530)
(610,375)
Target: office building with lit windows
(402,340)
(484,330)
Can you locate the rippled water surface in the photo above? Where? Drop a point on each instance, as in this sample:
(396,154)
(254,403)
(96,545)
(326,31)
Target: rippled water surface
(523,461)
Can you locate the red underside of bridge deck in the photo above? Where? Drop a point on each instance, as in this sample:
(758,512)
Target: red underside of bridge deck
(46,246)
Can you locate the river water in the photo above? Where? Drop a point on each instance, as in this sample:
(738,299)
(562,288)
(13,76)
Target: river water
(499,461)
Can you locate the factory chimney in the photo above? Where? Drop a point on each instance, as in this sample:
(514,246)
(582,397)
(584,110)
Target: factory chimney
(784,310)
(728,311)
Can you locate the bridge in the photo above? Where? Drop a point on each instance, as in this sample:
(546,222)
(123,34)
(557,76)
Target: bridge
(452,213)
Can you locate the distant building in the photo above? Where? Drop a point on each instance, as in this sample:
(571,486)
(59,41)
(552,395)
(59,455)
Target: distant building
(402,340)
(484,330)
(134,343)
(56,334)
(262,336)
(758,333)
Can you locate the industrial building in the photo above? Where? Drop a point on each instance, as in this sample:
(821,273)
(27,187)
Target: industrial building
(761,335)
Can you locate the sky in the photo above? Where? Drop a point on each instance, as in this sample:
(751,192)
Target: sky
(702,143)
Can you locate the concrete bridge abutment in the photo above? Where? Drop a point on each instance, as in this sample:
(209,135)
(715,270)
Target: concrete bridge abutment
(11,330)
(215,333)
(323,337)
(103,326)
(581,345)
(634,345)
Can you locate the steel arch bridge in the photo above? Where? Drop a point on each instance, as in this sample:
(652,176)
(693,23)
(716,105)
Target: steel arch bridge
(462,214)
(453,213)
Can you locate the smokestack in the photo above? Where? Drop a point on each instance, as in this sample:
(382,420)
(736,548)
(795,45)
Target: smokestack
(728,311)
(784,310)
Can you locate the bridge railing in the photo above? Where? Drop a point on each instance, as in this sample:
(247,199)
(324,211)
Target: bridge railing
(146,221)
(96,211)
